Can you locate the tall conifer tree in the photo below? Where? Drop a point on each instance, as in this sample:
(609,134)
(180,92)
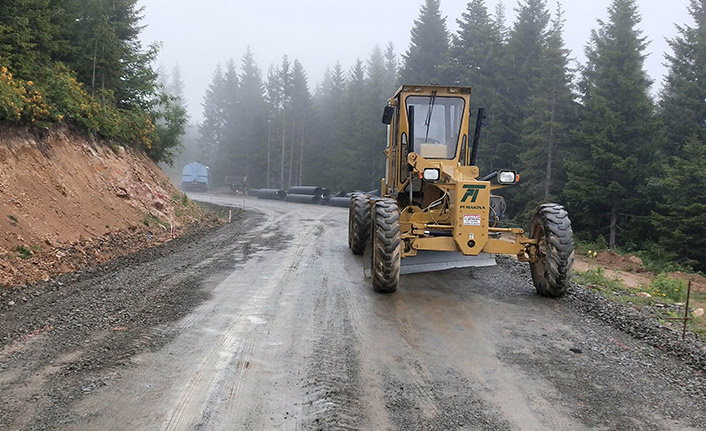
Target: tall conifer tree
(253,120)
(680,216)
(617,132)
(683,103)
(549,121)
(428,46)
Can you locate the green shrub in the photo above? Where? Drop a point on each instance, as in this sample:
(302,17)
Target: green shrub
(666,287)
(152,220)
(58,96)
(596,277)
(23,251)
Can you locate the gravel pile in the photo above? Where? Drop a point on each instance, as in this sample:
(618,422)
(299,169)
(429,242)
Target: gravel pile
(640,323)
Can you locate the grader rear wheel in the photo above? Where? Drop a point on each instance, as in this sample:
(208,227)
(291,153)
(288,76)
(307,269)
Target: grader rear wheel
(551,273)
(358,223)
(385,244)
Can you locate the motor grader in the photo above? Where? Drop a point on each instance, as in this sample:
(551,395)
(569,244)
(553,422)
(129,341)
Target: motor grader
(436,211)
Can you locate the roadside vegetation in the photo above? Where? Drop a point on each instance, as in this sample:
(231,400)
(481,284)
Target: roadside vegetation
(82,63)
(663,294)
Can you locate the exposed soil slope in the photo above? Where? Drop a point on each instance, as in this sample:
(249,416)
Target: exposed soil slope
(67,201)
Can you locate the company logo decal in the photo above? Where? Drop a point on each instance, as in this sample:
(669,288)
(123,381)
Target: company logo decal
(472,192)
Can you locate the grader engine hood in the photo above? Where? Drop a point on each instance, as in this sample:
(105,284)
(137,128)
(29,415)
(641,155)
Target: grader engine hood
(472,203)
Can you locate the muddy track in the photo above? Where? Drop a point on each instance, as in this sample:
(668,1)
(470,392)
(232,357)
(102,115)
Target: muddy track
(269,324)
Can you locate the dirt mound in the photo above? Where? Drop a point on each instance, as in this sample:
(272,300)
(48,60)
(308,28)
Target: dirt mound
(630,270)
(67,201)
(613,260)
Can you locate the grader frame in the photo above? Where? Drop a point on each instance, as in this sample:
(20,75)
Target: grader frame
(434,200)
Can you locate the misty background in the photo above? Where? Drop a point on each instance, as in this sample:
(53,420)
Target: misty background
(587,101)
(199,35)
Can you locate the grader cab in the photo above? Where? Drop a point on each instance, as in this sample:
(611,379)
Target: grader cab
(437,212)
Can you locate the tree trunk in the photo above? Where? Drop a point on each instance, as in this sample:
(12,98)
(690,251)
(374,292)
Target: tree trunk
(269,141)
(93,77)
(301,157)
(550,147)
(291,158)
(281,172)
(613,226)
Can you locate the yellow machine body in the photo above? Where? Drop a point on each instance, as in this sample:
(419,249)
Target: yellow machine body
(429,135)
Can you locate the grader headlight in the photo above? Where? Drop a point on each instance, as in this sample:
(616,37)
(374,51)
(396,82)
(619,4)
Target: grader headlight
(507,177)
(431,174)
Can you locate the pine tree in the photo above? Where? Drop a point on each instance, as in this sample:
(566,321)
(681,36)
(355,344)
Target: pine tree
(35,33)
(109,57)
(377,92)
(616,135)
(253,121)
(475,60)
(474,53)
(514,82)
(682,105)
(329,135)
(279,98)
(300,114)
(680,217)
(232,153)
(522,68)
(428,45)
(551,116)
(176,85)
(391,66)
(212,129)
(274,101)
(285,80)
(352,160)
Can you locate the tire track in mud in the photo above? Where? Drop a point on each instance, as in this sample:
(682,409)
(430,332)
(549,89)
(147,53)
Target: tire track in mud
(333,382)
(420,393)
(335,388)
(216,382)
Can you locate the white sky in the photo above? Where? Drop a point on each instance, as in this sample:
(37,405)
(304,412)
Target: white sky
(200,34)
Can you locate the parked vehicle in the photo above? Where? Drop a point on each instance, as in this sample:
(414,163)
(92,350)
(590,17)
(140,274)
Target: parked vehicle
(195,176)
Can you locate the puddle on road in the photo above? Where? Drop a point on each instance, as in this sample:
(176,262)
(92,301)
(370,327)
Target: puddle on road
(256,320)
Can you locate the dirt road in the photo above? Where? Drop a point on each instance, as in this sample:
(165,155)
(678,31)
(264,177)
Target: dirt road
(271,325)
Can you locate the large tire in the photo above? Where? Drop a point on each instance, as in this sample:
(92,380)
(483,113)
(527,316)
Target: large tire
(359,223)
(551,273)
(385,243)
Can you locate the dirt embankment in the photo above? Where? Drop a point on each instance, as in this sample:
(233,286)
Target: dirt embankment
(67,201)
(630,269)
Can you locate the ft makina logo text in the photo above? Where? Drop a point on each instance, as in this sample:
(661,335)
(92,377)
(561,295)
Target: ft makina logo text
(472,192)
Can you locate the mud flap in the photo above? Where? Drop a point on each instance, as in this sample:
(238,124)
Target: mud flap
(427,261)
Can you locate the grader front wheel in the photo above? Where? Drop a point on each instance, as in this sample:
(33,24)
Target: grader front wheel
(386,249)
(358,223)
(551,273)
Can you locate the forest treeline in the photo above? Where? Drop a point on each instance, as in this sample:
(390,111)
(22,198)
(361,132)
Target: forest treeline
(81,62)
(631,170)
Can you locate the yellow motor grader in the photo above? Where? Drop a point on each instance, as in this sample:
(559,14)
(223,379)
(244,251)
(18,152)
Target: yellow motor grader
(436,211)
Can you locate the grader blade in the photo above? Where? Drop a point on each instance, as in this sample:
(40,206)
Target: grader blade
(428,260)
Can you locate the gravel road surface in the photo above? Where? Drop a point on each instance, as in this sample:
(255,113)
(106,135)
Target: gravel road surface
(268,323)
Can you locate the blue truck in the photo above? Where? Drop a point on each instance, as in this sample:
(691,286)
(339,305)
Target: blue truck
(195,176)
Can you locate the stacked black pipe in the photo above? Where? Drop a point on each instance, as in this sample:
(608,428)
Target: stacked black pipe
(339,201)
(274,194)
(306,195)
